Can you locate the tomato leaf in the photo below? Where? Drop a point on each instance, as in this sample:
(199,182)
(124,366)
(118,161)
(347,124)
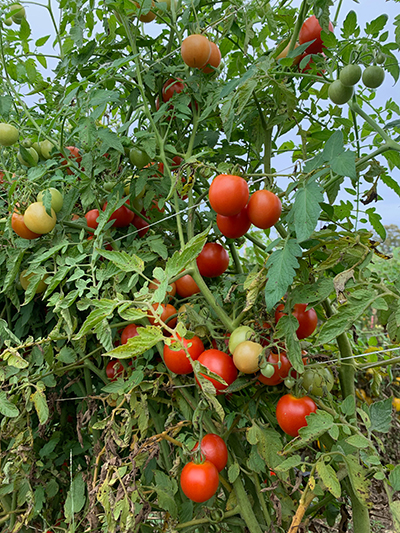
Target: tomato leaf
(317,424)
(75,498)
(349,25)
(39,400)
(123,260)
(306,209)
(381,416)
(166,488)
(147,338)
(329,478)
(7,408)
(357,478)
(289,463)
(394,478)
(189,252)
(281,265)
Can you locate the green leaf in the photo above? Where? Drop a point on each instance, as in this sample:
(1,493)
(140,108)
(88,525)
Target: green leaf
(333,146)
(348,406)
(40,402)
(375,221)
(189,252)
(75,498)
(329,478)
(358,441)
(395,510)
(289,463)
(306,209)
(268,443)
(105,308)
(375,26)
(358,480)
(394,478)
(287,327)
(349,25)
(6,334)
(390,182)
(381,415)
(233,472)
(166,488)
(110,140)
(7,408)
(42,40)
(124,261)
(345,164)
(147,338)
(6,102)
(281,265)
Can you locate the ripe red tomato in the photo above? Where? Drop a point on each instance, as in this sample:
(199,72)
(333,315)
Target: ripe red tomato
(264,209)
(176,162)
(141,224)
(291,413)
(308,320)
(91,218)
(177,361)
(122,216)
(186,286)
(228,194)
(196,50)
(199,482)
(114,369)
(129,332)
(214,449)
(213,260)
(19,226)
(214,60)
(280,373)
(168,310)
(235,226)
(311,31)
(75,156)
(220,363)
(170,87)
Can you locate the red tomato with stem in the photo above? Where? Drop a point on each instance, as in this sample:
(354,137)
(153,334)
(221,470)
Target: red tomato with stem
(18,225)
(291,413)
(221,364)
(167,311)
(130,331)
(114,369)
(282,368)
(91,218)
(228,194)
(311,31)
(199,482)
(264,209)
(214,449)
(141,224)
(122,216)
(186,286)
(213,260)
(235,226)
(177,360)
(308,320)
(171,87)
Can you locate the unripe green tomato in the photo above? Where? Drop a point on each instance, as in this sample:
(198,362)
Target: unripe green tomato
(109,186)
(8,22)
(57,198)
(240,334)
(26,143)
(350,75)
(380,58)
(8,134)
(267,370)
(34,155)
(138,158)
(18,13)
(138,204)
(24,280)
(45,148)
(338,93)
(289,382)
(373,76)
(316,380)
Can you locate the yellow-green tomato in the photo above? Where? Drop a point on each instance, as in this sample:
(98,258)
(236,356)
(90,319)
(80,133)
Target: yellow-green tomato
(8,134)
(18,13)
(246,357)
(317,381)
(37,220)
(8,22)
(34,158)
(238,335)
(45,148)
(57,199)
(24,280)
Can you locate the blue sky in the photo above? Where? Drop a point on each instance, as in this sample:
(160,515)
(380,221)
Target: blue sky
(366,11)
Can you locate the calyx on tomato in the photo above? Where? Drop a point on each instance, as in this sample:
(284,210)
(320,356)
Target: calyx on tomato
(308,320)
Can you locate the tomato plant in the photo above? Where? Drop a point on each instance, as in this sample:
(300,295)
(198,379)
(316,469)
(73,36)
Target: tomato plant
(155,285)
(177,360)
(228,194)
(167,311)
(311,31)
(199,482)
(308,320)
(213,260)
(196,50)
(213,449)
(291,413)
(221,364)
(264,209)
(186,286)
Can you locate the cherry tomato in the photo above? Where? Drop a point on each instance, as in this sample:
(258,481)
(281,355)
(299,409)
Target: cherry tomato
(311,31)
(167,311)
(18,225)
(228,194)
(91,218)
(246,357)
(122,216)
(196,50)
(199,482)
(138,157)
(373,76)
(177,360)
(176,162)
(129,332)
(75,156)
(8,134)
(114,369)
(171,87)
(214,60)
(238,335)
(308,320)
(57,198)
(350,75)
(220,363)
(291,413)
(281,366)
(339,93)
(155,284)
(34,158)
(225,341)
(264,209)
(37,220)
(186,286)
(213,260)
(235,226)
(141,224)
(214,449)
(146,17)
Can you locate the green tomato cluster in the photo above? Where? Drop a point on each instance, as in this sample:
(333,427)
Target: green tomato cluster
(341,90)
